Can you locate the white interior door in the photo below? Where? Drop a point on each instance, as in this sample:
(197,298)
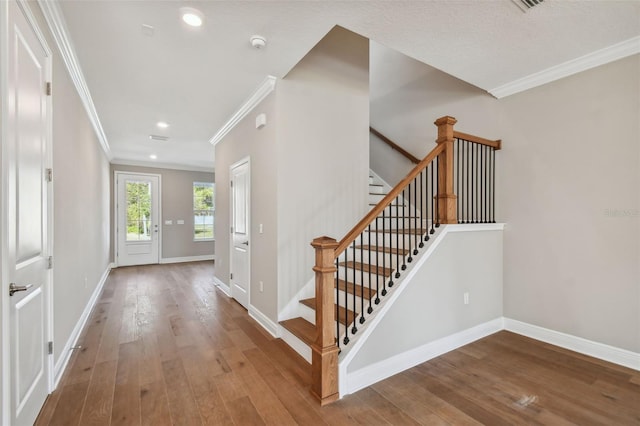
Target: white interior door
(138,213)
(25,160)
(240,225)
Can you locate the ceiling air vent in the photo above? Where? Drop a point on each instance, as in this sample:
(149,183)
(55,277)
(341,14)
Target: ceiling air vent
(158,138)
(525,5)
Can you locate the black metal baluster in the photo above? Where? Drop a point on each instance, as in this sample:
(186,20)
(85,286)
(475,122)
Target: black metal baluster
(384,237)
(337,299)
(433,201)
(438,192)
(493,185)
(362,284)
(457,174)
(417,226)
(370,308)
(481,147)
(467,156)
(486,184)
(422,209)
(405,235)
(346,296)
(354,330)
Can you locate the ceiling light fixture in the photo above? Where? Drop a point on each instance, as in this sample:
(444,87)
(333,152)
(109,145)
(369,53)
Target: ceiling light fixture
(258,41)
(191,16)
(162,124)
(153,156)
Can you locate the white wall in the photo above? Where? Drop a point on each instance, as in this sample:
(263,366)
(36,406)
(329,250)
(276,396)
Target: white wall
(323,145)
(571,198)
(81,204)
(431,307)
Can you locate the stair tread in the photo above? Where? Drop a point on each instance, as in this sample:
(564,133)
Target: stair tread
(346,316)
(377,270)
(360,291)
(390,205)
(383,249)
(419,231)
(301,328)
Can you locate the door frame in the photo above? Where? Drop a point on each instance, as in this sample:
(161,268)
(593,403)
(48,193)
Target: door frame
(5,384)
(246,160)
(115,211)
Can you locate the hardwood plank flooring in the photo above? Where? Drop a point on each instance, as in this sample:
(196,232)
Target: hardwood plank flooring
(165,347)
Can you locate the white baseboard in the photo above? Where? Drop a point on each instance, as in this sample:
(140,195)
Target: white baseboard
(187,259)
(578,344)
(65,355)
(371,374)
(264,321)
(222,286)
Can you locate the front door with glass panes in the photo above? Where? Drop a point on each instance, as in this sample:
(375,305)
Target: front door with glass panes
(138,219)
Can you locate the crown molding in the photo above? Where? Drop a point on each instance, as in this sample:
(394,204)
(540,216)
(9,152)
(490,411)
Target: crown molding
(58,28)
(266,87)
(156,165)
(574,66)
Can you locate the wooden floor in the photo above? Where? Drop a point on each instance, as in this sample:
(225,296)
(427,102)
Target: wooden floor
(163,347)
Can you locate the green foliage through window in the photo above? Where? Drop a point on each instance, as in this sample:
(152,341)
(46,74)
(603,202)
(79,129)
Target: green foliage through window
(203,209)
(138,211)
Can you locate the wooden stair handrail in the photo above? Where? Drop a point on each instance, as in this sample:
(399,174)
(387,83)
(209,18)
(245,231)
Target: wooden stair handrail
(370,217)
(394,146)
(497,144)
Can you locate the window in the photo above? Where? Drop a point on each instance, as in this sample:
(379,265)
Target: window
(203,211)
(138,211)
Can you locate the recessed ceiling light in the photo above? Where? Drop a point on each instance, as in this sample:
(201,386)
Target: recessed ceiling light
(191,16)
(153,156)
(158,138)
(162,124)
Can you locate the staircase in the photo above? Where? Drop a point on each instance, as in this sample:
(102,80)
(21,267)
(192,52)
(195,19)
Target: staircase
(372,260)
(454,183)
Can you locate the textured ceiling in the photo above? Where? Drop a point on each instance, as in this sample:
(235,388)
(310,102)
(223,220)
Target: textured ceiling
(195,79)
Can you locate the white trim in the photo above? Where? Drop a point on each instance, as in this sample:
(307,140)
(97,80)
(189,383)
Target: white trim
(296,344)
(65,355)
(577,344)
(155,165)
(366,376)
(472,227)
(222,286)
(187,259)
(574,66)
(267,86)
(264,321)
(115,210)
(58,27)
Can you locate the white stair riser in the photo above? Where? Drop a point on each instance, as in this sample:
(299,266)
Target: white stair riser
(376,189)
(347,274)
(391,239)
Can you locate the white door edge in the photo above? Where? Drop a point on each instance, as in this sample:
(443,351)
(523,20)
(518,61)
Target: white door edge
(114,201)
(245,160)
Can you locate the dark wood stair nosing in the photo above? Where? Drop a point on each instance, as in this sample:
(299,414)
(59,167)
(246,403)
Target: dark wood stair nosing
(344,316)
(367,268)
(301,328)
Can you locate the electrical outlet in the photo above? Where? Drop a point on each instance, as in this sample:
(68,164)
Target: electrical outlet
(261,287)
(466,298)
(260,228)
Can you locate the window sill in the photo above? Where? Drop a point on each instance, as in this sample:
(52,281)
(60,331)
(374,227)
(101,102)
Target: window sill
(204,240)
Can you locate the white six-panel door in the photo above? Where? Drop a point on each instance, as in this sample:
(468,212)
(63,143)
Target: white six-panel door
(25,162)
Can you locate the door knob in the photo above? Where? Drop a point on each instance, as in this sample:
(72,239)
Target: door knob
(13,288)
(246,243)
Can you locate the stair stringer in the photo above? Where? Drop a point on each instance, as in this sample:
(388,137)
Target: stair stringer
(350,352)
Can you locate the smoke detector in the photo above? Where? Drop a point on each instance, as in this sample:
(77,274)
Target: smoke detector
(158,138)
(258,41)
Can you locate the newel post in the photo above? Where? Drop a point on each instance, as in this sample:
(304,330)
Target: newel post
(324,351)
(446,198)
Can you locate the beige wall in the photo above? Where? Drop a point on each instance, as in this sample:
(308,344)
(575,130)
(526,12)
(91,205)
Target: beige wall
(570,196)
(81,203)
(323,146)
(245,141)
(177,203)
(432,306)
